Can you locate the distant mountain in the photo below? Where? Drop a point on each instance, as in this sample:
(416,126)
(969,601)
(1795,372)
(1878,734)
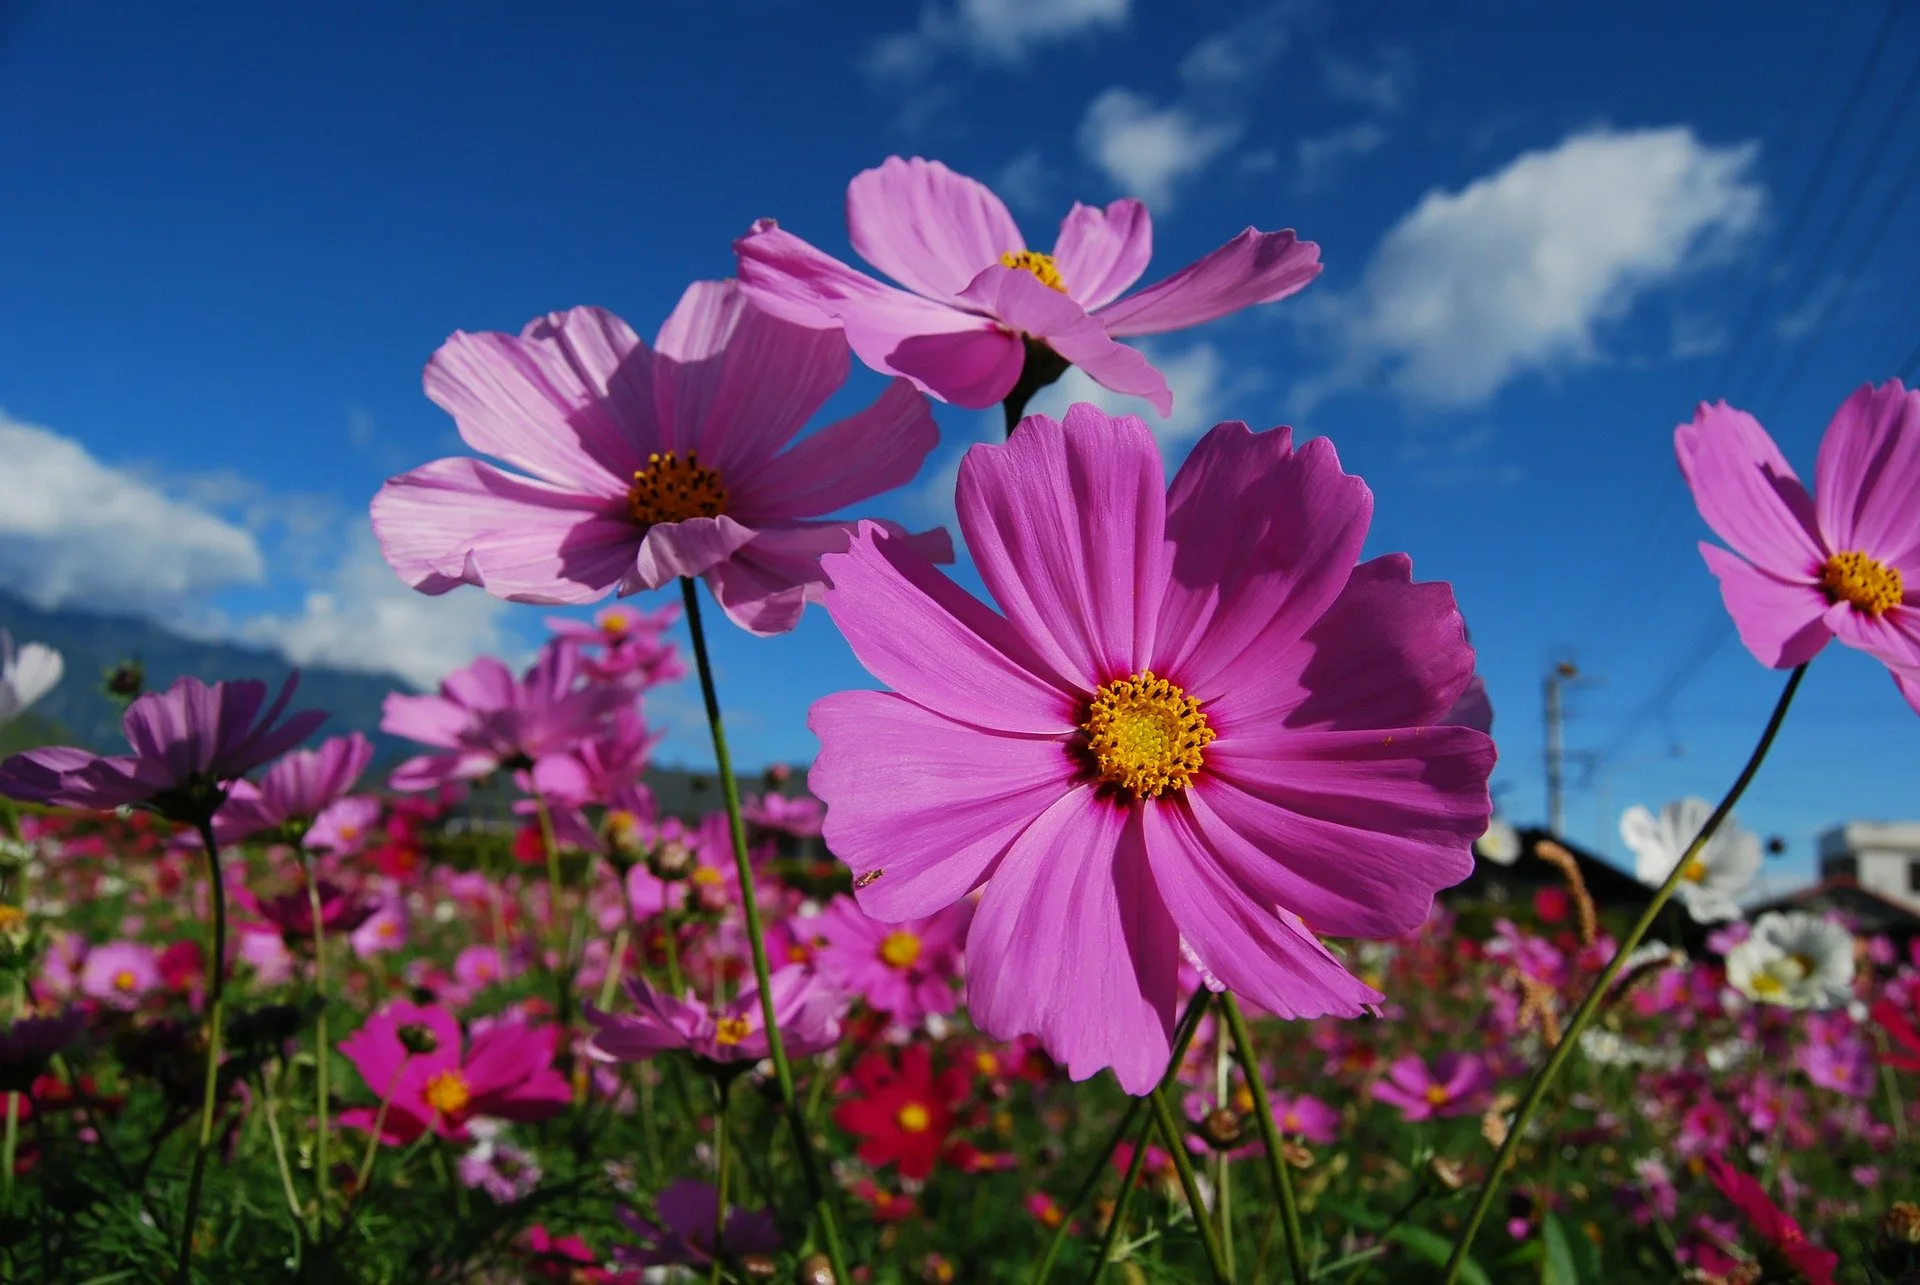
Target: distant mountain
(93,643)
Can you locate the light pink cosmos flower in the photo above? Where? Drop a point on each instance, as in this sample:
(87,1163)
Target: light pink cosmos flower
(626,644)
(1843,562)
(599,768)
(905,970)
(385,931)
(120,973)
(299,787)
(1197,721)
(1456,1084)
(806,1006)
(344,826)
(648,464)
(506,1074)
(976,297)
(798,815)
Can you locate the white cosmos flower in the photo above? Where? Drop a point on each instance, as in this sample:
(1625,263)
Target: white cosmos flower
(26,677)
(1794,960)
(1721,871)
(1500,844)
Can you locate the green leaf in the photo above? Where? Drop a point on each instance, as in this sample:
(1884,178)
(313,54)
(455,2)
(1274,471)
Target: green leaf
(1433,1248)
(1557,1266)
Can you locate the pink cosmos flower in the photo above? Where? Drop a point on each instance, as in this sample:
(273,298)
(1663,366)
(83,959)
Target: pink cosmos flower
(807,1008)
(344,826)
(1305,1116)
(484,720)
(1197,722)
(290,914)
(977,298)
(626,644)
(384,931)
(596,769)
(302,785)
(1844,562)
(189,742)
(799,815)
(120,973)
(1778,1228)
(507,1073)
(649,464)
(904,970)
(1456,1084)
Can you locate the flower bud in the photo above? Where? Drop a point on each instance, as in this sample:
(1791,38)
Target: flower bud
(418,1039)
(1222,1128)
(816,1269)
(1901,1223)
(671,861)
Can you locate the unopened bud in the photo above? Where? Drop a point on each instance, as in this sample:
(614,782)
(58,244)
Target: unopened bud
(1297,1154)
(1222,1128)
(1450,1174)
(1901,1223)
(671,861)
(815,1269)
(418,1039)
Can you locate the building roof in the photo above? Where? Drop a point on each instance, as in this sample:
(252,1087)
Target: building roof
(1870,912)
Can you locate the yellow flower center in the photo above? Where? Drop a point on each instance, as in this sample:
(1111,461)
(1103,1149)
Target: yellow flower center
(900,949)
(670,489)
(1436,1095)
(914,1118)
(1242,1099)
(11,918)
(616,624)
(447,1093)
(1870,585)
(1767,984)
(986,1063)
(124,980)
(1146,735)
(729,1031)
(1040,265)
(1291,1121)
(705,876)
(1696,871)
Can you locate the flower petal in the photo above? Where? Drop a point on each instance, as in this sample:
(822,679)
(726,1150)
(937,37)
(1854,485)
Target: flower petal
(690,548)
(1101,252)
(1066,523)
(1782,622)
(1022,302)
(1892,638)
(1867,479)
(925,637)
(928,228)
(1072,943)
(765,586)
(1254,267)
(1353,831)
(1748,493)
(919,806)
(850,460)
(461,521)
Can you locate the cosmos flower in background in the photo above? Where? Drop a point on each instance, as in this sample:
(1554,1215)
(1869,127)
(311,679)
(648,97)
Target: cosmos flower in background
(1197,724)
(120,974)
(25,675)
(903,1114)
(1774,1225)
(1841,563)
(1794,960)
(648,464)
(904,970)
(414,1056)
(1721,871)
(684,1236)
(807,1008)
(1455,1084)
(626,644)
(296,789)
(977,298)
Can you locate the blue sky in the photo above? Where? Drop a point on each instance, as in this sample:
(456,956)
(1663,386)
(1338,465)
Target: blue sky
(235,232)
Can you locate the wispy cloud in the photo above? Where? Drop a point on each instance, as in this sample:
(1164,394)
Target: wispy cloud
(994,31)
(1149,150)
(1320,158)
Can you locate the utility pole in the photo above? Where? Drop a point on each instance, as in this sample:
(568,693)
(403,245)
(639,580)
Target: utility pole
(1557,678)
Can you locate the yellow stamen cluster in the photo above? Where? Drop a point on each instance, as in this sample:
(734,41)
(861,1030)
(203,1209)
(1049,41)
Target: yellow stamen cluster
(447,1093)
(1869,584)
(11,918)
(671,489)
(729,1031)
(1696,871)
(124,980)
(914,1118)
(1040,265)
(1436,1095)
(900,949)
(1146,735)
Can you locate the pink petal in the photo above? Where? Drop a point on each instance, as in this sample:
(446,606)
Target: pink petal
(461,521)
(1072,943)
(733,384)
(1254,267)
(1101,252)
(1782,622)
(567,399)
(1747,492)
(673,549)
(1389,652)
(1020,301)
(929,803)
(1264,538)
(926,227)
(850,460)
(765,586)
(1909,687)
(1352,831)
(1892,638)
(1066,523)
(974,365)
(507,1055)
(1867,480)
(925,637)
(1255,950)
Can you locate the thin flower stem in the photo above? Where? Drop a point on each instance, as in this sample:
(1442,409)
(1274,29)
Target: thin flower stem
(776,1047)
(1183,1039)
(1170,1136)
(1135,1164)
(610,984)
(9,1147)
(216,1009)
(271,1110)
(1269,1136)
(379,1127)
(1222,1164)
(1891,1083)
(719,1180)
(322,1123)
(1563,1051)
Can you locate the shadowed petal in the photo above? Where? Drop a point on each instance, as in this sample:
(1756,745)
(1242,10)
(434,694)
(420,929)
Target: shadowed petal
(928,228)
(1101,252)
(766,585)
(1254,267)
(850,460)
(1867,480)
(670,550)
(1020,301)
(1782,622)
(1747,492)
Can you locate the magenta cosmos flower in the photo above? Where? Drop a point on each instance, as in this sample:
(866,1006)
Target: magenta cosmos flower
(294,790)
(1842,563)
(189,743)
(1196,721)
(485,720)
(507,1074)
(649,463)
(1456,1084)
(120,973)
(975,294)
(905,970)
(807,1008)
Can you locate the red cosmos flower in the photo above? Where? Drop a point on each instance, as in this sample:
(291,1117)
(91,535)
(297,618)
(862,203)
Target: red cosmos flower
(1902,1032)
(903,1115)
(1775,1225)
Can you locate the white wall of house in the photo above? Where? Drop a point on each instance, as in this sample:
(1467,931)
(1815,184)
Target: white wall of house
(1884,856)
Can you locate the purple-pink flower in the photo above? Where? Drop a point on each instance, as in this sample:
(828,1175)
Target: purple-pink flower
(411,1057)
(1197,722)
(976,296)
(807,1008)
(1842,563)
(1456,1084)
(689,1211)
(648,464)
(299,787)
(625,644)
(904,970)
(120,973)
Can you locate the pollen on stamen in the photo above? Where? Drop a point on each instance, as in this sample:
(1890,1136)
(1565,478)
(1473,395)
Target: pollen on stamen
(1040,265)
(1145,735)
(672,489)
(1869,584)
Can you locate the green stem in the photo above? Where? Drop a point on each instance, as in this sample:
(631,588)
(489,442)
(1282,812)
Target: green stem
(1171,1135)
(323,1122)
(719,1180)
(379,1127)
(271,1110)
(1269,1136)
(610,984)
(216,1008)
(9,1148)
(776,1047)
(1543,1079)
(1135,1164)
(1041,367)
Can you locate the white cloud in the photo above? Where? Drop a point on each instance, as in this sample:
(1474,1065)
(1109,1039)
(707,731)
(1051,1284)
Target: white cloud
(1149,150)
(363,617)
(1238,54)
(76,530)
(1383,88)
(1517,271)
(1321,156)
(1002,31)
